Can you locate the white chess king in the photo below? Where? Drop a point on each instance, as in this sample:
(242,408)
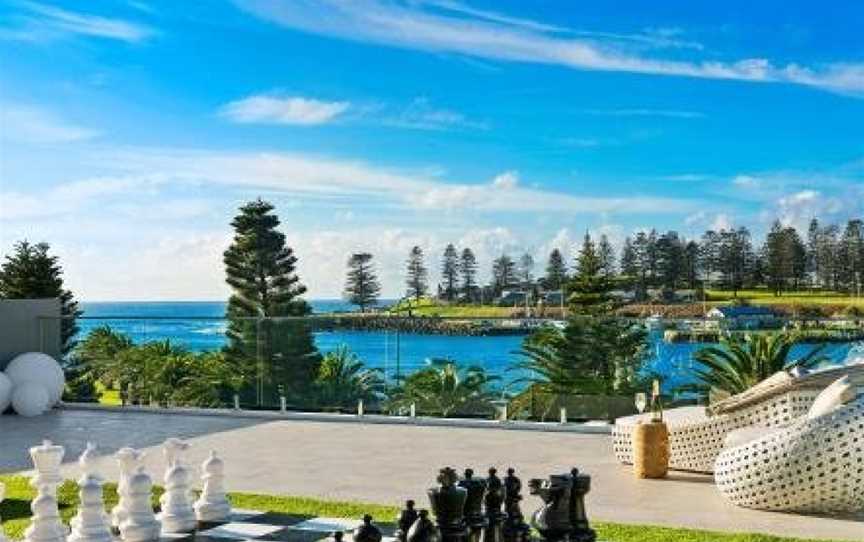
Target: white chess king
(90,524)
(177,514)
(213,503)
(46,460)
(140,523)
(45,525)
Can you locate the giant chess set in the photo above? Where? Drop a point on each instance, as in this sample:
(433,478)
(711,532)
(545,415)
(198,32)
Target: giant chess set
(464,508)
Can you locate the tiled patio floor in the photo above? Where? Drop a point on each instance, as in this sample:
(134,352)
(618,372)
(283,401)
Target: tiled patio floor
(388,463)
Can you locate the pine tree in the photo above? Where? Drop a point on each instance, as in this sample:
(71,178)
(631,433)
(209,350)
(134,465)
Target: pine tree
(589,286)
(526,270)
(670,257)
(607,257)
(417,274)
(851,257)
(450,271)
(261,271)
(503,274)
(361,285)
(468,273)
(30,272)
(814,233)
(556,271)
(629,263)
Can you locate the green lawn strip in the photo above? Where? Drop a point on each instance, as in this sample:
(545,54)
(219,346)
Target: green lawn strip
(15,511)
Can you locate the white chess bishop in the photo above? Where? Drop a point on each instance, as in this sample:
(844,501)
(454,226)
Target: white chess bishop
(177,515)
(139,523)
(90,524)
(213,503)
(129,459)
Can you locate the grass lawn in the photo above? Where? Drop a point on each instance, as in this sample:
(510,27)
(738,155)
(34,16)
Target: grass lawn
(429,307)
(108,396)
(15,511)
(766,297)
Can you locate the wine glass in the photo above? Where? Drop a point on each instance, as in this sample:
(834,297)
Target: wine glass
(641,402)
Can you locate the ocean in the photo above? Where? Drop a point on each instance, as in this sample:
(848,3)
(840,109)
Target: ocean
(199,327)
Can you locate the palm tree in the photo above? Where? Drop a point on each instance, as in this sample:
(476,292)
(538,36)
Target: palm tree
(742,361)
(343,378)
(444,387)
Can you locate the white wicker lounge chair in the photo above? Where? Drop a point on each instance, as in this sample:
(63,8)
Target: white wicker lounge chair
(811,466)
(697,434)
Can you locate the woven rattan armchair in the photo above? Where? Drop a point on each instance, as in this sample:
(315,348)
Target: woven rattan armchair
(810,466)
(697,434)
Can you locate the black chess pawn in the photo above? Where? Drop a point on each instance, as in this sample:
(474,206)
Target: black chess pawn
(338,536)
(406,519)
(367,531)
(423,530)
(515,529)
(476,488)
(494,495)
(579,487)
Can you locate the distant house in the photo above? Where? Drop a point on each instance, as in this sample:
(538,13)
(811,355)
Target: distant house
(745,317)
(510,298)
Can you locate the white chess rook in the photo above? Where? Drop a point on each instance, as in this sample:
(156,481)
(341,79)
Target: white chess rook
(129,459)
(140,523)
(90,524)
(213,503)
(45,525)
(177,515)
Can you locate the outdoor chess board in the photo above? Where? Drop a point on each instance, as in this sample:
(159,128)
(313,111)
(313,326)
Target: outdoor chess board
(247,525)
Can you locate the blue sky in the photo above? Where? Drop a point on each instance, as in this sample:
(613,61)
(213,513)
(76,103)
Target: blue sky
(132,131)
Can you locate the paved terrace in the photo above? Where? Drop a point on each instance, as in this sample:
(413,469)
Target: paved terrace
(390,463)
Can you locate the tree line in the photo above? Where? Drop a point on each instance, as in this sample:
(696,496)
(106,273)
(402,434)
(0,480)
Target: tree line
(829,257)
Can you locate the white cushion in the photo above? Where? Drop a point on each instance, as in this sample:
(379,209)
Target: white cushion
(744,435)
(834,396)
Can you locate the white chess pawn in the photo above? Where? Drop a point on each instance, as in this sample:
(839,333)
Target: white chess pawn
(140,523)
(46,460)
(177,514)
(45,525)
(213,503)
(90,524)
(129,460)
(2,496)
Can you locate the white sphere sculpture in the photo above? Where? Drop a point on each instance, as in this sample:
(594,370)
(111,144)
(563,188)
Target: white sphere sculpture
(40,368)
(5,392)
(30,399)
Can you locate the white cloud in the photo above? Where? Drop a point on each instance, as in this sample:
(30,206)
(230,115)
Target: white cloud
(324,177)
(669,113)
(43,22)
(486,35)
(31,124)
(709,221)
(798,208)
(747,181)
(283,110)
(420,114)
(506,180)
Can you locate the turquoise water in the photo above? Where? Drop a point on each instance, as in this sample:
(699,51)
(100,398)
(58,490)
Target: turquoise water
(198,326)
